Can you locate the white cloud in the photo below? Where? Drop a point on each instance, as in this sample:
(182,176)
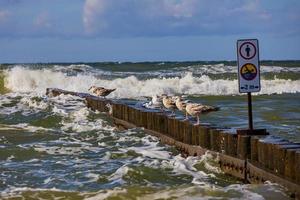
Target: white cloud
(4,16)
(91,15)
(99,15)
(183,8)
(42,20)
(131,18)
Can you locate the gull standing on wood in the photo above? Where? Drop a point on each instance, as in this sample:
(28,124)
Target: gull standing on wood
(169,103)
(156,102)
(181,105)
(195,109)
(101,91)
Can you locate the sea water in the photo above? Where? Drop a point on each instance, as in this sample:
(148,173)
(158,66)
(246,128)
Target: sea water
(56,148)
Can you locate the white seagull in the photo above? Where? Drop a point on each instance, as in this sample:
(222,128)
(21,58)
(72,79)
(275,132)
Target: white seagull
(101,91)
(195,109)
(156,102)
(181,105)
(169,103)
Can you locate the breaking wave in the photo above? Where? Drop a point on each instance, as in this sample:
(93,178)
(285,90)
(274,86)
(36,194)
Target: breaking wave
(21,79)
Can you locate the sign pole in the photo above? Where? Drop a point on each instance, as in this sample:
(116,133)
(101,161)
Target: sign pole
(250,119)
(249,78)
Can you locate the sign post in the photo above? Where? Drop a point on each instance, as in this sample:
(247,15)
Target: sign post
(248,66)
(248,72)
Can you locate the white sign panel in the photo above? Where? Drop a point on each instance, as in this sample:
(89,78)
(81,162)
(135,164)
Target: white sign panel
(248,65)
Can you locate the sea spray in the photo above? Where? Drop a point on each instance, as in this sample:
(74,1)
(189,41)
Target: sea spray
(20,79)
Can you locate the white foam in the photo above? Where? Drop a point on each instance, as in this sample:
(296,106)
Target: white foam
(117,175)
(151,152)
(48,180)
(149,149)
(105,194)
(20,79)
(23,126)
(182,165)
(65,150)
(210,162)
(79,122)
(33,103)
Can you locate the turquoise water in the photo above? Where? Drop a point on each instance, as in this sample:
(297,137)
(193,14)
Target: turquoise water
(54,147)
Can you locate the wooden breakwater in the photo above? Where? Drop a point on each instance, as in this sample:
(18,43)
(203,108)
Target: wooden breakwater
(252,158)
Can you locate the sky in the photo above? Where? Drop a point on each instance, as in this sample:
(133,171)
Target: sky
(145,30)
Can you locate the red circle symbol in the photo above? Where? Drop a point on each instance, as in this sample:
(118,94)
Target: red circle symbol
(249,51)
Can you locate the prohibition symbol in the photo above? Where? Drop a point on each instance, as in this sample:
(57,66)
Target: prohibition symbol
(247,50)
(248,71)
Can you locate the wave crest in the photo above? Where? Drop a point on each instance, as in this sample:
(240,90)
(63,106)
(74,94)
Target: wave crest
(20,79)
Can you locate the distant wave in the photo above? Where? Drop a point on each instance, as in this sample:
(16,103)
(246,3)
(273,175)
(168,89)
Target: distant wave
(152,68)
(21,79)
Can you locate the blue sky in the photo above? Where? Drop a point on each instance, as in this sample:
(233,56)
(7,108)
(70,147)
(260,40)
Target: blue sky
(145,30)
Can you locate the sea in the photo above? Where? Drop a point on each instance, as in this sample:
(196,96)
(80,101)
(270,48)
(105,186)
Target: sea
(57,148)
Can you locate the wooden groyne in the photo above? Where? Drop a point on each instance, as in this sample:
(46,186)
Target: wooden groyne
(252,158)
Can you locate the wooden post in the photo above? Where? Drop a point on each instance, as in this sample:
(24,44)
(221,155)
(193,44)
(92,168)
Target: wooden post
(259,151)
(115,110)
(290,163)
(157,122)
(243,147)
(126,108)
(195,134)
(149,120)
(297,166)
(204,137)
(223,141)
(165,125)
(88,102)
(94,104)
(280,157)
(214,139)
(176,132)
(170,125)
(231,148)
(187,132)
(254,149)
(181,130)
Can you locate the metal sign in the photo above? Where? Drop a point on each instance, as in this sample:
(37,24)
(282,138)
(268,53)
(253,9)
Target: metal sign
(248,65)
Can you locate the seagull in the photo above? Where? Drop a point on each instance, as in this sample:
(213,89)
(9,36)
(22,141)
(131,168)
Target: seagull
(101,91)
(195,109)
(169,103)
(181,105)
(156,102)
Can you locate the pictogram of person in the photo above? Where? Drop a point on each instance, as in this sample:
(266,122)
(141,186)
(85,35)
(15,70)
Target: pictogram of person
(248,49)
